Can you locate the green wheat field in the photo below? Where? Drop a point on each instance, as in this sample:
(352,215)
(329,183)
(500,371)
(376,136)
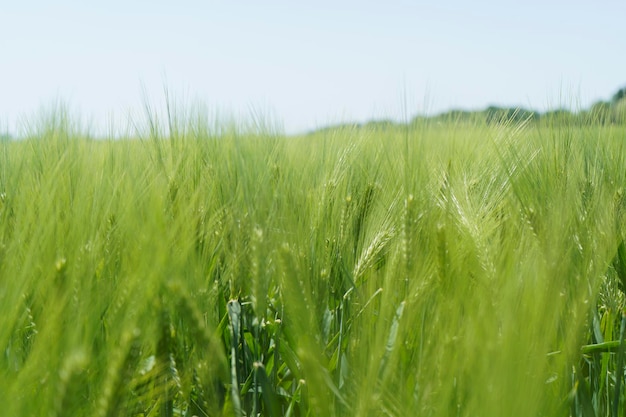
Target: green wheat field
(431,269)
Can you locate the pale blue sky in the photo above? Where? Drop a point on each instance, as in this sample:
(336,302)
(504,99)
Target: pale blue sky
(307,64)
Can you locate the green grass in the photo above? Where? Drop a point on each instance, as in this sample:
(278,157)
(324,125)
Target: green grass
(441,270)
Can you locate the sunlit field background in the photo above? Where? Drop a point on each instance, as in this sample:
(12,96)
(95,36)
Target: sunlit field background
(445,267)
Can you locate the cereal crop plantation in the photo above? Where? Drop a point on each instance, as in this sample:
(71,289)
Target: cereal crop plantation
(455,268)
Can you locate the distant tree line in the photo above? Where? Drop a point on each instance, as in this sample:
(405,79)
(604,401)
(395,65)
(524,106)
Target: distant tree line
(601,112)
(613,111)
(498,115)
